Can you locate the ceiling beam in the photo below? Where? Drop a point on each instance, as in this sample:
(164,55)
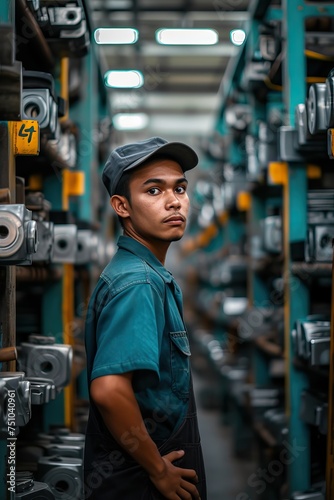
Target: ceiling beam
(151,49)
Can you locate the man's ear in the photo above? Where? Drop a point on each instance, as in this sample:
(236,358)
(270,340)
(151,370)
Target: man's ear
(120,205)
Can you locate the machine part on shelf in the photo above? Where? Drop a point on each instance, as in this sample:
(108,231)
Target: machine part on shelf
(288,139)
(267,146)
(34,5)
(316,108)
(40,359)
(269,46)
(45,242)
(311,338)
(272,234)
(329,100)
(42,390)
(305,138)
(39,105)
(33,490)
(253,165)
(64,450)
(308,495)
(276,421)
(15,398)
(64,26)
(238,116)
(254,73)
(314,409)
(87,247)
(11,92)
(318,246)
(65,243)
(62,435)
(64,475)
(19,237)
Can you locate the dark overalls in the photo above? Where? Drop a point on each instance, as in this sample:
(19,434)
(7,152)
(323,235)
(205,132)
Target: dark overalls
(119,477)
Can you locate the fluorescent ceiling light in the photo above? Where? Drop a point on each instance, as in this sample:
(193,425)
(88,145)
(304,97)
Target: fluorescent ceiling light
(237,37)
(166,36)
(130,121)
(115,35)
(128,79)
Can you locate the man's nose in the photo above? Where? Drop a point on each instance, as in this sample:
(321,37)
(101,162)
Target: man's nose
(173,200)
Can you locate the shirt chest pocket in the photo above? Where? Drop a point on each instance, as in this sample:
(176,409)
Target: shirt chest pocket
(180,364)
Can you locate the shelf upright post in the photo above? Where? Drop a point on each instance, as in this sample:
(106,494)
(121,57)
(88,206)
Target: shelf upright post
(296,295)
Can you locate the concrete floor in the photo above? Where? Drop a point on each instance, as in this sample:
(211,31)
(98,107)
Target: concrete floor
(226,475)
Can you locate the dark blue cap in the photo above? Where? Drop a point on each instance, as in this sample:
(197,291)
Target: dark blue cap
(130,156)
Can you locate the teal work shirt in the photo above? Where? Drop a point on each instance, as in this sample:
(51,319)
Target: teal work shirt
(134,323)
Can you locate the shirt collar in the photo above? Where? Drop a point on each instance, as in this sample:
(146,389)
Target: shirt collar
(133,246)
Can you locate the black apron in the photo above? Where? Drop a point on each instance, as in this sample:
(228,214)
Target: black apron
(126,480)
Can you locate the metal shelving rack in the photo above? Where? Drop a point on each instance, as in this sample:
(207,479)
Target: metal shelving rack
(72,191)
(285,184)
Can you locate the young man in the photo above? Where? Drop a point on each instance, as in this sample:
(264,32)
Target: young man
(142,439)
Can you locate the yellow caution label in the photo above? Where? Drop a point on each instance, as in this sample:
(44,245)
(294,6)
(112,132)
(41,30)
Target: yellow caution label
(74,183)
(244,201)
(25,137)
(278,172)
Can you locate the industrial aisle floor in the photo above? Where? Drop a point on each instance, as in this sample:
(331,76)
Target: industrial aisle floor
(226,475)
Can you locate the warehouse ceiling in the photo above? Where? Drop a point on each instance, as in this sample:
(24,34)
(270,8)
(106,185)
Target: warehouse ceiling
(180,93)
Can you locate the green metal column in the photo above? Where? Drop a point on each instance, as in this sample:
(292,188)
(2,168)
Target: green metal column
(295,221)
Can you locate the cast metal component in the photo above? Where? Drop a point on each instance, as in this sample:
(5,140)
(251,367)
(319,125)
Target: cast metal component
(65,243)
(64,475)
(87,246)
(314,409)
(15,394)
(276,421)
(329,99)
(38,104)
(42,390)
(30,490)
(312,340)
(45,242)
(64,450)
(316,108)
(65,17)
(64,26)
(53,361)
(18,235)
(253,167)
(319,243)
(267,147)
(272,234)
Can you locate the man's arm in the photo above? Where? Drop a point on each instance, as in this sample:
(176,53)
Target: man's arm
(115,399)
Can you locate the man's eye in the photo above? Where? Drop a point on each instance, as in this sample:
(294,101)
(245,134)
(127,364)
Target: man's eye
(180,189)
(153,191)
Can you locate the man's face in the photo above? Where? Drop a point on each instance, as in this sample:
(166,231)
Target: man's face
(159,202)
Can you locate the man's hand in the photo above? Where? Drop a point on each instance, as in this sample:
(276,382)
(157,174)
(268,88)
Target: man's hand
(175,483)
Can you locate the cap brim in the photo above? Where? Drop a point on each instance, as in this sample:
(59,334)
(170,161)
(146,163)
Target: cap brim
(181,153)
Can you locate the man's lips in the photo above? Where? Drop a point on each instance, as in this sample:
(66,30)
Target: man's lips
(177,218)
